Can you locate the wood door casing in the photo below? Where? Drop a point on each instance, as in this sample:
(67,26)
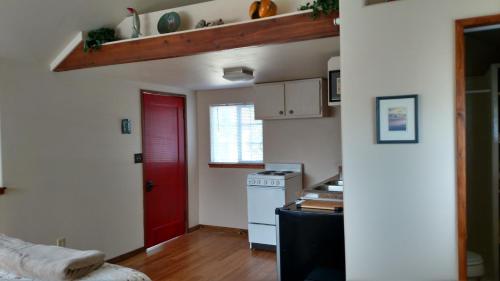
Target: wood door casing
(460,123)
(164,150)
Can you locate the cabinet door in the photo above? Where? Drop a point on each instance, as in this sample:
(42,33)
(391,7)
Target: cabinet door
(303,98)
(270,101)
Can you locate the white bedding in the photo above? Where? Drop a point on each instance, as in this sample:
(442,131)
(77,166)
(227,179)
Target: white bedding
(108,272)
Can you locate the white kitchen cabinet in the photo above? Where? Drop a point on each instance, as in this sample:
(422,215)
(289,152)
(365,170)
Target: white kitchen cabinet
(270,101)
(303,98)
(291,99)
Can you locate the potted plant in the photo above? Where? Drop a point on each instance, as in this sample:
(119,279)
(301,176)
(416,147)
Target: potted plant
(321,6)
(96,38)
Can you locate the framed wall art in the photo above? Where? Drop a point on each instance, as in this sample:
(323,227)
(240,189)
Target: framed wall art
(397,119)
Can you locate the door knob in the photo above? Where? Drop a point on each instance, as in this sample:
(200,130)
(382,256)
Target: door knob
(291,111)
(149,185)
(281,112)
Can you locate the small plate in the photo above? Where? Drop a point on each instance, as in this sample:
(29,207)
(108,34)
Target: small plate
(169,22)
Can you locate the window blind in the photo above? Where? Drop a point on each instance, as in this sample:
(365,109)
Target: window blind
(235,135)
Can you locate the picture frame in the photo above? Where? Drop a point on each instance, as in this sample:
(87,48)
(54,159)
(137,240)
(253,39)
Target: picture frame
(397,119)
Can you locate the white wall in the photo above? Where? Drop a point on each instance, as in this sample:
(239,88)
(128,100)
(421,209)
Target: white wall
(69,170)
(400,213)
(230,11)
(314,142)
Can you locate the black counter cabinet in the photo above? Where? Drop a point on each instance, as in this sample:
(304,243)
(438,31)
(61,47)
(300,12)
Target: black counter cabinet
(310,244)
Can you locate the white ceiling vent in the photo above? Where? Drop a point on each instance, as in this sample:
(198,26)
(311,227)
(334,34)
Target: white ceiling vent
(236,74)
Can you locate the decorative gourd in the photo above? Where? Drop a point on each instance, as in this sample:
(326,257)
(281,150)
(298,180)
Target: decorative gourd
(254,10)
(267,9)
(262,9)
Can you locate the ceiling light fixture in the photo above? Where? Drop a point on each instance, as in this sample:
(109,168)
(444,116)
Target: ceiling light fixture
(236,74)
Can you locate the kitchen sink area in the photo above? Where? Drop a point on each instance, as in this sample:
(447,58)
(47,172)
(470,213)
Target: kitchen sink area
(331,189)
(330,186)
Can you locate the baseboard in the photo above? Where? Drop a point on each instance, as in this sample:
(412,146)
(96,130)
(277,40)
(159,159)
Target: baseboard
(224,229)
(126,256)
(194,228)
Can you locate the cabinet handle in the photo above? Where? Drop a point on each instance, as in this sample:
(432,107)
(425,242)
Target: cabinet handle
(291,111)
(282,112)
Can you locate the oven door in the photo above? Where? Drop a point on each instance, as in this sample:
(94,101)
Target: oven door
(262,202)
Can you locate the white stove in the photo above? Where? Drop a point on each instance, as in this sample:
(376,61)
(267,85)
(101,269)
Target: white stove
(278,185)
(271,178)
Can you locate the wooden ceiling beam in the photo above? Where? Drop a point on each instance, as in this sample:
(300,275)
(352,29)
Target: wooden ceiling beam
(275,30)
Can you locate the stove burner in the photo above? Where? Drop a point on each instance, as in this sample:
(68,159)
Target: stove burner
(267,173)
(275,173)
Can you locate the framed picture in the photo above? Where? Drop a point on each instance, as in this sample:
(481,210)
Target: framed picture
(397,119)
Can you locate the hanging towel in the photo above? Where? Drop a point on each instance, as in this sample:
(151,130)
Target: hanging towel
(48,263)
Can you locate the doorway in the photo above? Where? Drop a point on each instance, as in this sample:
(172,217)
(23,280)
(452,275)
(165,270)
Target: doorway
(164,166)
(474,185)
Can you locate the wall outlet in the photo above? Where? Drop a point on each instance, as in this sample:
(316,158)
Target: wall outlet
(61,242)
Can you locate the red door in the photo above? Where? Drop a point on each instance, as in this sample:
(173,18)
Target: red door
(164,167)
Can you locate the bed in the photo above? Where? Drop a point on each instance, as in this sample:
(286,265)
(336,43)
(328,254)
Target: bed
(107,272)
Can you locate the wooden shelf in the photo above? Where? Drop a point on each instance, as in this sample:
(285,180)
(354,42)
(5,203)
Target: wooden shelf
(279,29)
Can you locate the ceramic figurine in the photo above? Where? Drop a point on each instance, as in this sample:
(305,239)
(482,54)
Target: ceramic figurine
(215,22)
(136,23)
(204,23)
(201,24)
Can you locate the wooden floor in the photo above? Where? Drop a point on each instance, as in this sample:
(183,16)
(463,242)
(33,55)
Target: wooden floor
(206,255)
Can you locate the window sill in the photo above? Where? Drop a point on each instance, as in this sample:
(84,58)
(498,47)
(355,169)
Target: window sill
(236,165)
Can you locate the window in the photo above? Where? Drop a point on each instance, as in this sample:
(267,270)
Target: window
(235,136)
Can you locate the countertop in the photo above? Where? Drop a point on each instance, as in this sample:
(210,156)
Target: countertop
(294,208)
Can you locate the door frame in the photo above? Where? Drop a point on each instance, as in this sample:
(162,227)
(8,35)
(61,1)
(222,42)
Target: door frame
(186,186)
(460,122)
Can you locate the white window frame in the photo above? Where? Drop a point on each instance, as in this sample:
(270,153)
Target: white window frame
(239,156)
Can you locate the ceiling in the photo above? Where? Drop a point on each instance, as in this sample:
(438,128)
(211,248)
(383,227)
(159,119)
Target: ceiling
(306,59)
(36,30)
